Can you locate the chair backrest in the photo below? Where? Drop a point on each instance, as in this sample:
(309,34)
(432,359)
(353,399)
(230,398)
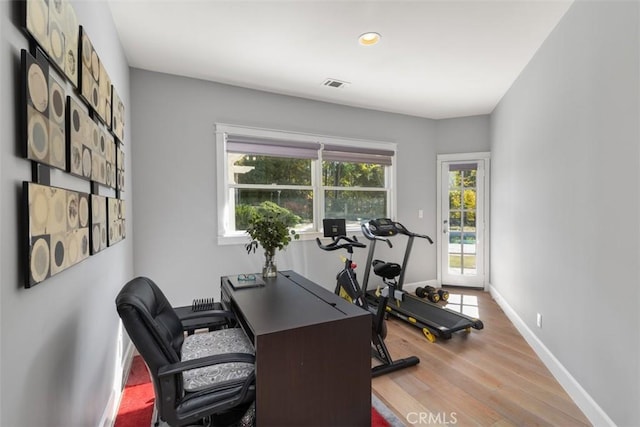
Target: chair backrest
(151,322)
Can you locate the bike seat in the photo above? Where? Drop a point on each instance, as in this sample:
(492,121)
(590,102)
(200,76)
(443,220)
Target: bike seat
(387,270)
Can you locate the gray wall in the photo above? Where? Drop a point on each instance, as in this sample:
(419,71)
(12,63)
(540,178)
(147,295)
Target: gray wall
(463,135)
(565,187)
(58,346)
(175,179)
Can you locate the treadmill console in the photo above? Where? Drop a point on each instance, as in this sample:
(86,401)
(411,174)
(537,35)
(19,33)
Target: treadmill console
(383,227)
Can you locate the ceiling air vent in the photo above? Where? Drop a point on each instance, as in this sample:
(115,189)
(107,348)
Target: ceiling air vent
(335,83)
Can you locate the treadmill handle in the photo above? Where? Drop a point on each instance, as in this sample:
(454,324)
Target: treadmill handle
(404,230)
(424,236)
(369,235)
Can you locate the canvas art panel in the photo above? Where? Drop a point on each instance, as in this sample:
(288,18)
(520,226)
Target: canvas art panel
(98,230)
(101,160)
(119,168)
(91,148)
(45,112)
(117,118)
(110,160)
(95,84)
(54,27)
(116,220)
(57,232)
(105,92)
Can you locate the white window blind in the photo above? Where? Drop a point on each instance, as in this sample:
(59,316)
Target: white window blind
(272,147)
(341,153)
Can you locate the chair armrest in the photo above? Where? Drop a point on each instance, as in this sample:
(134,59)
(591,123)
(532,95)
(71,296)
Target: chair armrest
(203,319)
(176,368)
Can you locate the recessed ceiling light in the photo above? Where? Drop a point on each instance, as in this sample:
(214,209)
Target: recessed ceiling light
(369,39)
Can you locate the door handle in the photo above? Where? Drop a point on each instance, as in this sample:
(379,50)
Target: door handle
(444,229)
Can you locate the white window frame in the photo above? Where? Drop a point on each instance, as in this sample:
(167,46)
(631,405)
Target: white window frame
(227,234)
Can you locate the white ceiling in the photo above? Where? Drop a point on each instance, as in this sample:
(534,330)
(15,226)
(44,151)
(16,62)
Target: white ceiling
(437,58)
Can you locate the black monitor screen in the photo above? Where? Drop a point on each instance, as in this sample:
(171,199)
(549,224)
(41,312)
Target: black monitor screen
(334,227)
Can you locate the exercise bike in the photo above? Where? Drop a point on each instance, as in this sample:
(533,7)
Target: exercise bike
(347,287)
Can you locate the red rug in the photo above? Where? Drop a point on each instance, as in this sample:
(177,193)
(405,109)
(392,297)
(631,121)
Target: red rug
(136,406)
(378,420)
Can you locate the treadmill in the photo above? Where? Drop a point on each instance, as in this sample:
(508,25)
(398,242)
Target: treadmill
(434,320)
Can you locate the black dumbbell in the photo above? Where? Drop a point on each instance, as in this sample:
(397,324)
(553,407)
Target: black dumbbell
(430,290)
(430,294)
(444,295)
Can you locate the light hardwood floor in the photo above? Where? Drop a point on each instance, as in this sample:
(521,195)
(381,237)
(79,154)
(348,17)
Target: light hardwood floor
(489,377)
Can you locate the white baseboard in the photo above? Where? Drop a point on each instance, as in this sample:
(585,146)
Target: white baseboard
(111,410)
(583,400)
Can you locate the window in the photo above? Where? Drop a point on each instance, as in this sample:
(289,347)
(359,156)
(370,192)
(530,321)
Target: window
(314,177)
(354,184)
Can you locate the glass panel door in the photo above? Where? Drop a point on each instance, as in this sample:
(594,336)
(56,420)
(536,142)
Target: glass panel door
(462,256)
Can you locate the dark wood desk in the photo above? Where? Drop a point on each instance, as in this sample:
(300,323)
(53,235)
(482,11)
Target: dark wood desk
(313,352)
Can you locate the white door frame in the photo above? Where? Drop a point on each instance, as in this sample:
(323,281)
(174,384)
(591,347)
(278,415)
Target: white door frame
(485,157)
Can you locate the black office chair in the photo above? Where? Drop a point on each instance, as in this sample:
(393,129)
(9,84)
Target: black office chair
(206,378)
